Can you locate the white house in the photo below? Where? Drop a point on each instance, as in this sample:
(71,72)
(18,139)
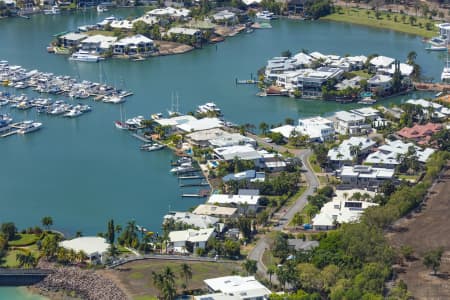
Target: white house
(216,211)
(245,203)
(170,12)
(96,248)
(180,241)
(367,112)
(71,39)
(132,45)
(98,43)
(380,83)
(195,220)
(217,137)
(349,149)
(243,152)
(390,154)
(235,287)
(364,176)
(224,16)
(350,124)
(437,110)
(317,128)
(382,61)
(182,31)
(341,210)
(201,124)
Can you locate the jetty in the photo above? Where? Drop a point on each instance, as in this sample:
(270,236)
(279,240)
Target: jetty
(246,81)
(194,184)
(22,277)
(434,87)
(191,177)
(141,138)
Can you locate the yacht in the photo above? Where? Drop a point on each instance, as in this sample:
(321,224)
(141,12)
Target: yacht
(4,102)
(208,107)
(152,147)
(135,122)
(57,110)
(183,168)
(265,15)
(4,126)
(84,56)
(6,118)
(115,99)
(52,11)
(432,47)
(29,126)
(101,8)
(121,125)
(73,113)
(445,75)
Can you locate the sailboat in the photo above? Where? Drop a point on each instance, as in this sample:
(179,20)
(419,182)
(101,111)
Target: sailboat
(121,124)
(445,75)
(174,109)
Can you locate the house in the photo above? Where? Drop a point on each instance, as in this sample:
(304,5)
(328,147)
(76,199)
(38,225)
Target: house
(191,219)
(96,248)
(173,122)
(272,162)
(364,176)
(317,128)
(348,83)
(71,39)
(249,175)
(133,45)
(176,13)
(225,16)
(390,155)
(420,133)
(235,287)
(243,152)
(341,210)
(217,137)
(405,70)
(125,25)
(381,62)
(98,43)
(244,203)
(185,241)
(216,211)
(367,112)
(380,84)
(350,123)
(186,32)
(437,110)
(201,124)
(349,150)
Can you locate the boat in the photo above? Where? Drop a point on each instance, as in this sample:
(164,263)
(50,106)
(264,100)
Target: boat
(436,48)
(84,56)
(52,11)
(115,99)
(29,126)
(4,102)
(249,30)
(152,147)
(56,110)
(101,8)
(183,168)
(437,41)
(121,125)
(73,113)
(445,75)
(367,100)
(156,116)
(208,107)
(135,122)
(6,118)
(265,15)
(182,160)
(4,126)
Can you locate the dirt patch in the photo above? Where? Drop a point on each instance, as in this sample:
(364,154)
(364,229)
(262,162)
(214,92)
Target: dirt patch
(136,278)
(423,230)
(169,48)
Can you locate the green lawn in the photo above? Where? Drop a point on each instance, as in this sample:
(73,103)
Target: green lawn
(268,259)
(313,163)
(101,32)
(360,17)
(23,240)
(10,258)
(411,178)
(362,74)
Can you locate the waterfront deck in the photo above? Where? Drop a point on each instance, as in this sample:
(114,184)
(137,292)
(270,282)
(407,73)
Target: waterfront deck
(434,87)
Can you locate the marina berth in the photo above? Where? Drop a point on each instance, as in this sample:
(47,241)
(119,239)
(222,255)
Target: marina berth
(29,126)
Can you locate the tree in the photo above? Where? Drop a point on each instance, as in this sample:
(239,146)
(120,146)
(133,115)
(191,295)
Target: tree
(186,270)
(110,235)
(432,259)
(411,57)
(263,126)
(289,121)
(286,53)
(26,260)
(113,251)
(9,230)
(231,248)
(270,271)
(250,266)
(47,222)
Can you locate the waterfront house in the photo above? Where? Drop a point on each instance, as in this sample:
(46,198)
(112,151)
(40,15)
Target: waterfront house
(172,123)
(185,32)
(124,25)
(225,16)
(364,176)
(341,210)
(249,175)
(96,248)
(235,288)
(216,211)
(193,125)
(317,128)
(349,150)
(185,241)
(436,110)
(134,45)
(98,43)
(367,113)
(243,152)
(391,154)
(350,124)
(380,84)
(381,62)
(170,12)
(217,137)
(71,39)
(244,203)
(420,133)
(405,70)
(348,83)
(191,219)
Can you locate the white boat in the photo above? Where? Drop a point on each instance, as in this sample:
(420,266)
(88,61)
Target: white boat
(152,147)
(156,116)
(101,8)
(4,102)
(436,48)
(29,126)
(445,75)
(73,113)
(208,107)
(6,118)
(438,41)
(367,100)
(53,11)
(84,56)
(58,110)
(265,15)
(135,122)
(115,99)
(183,168)
(121,125)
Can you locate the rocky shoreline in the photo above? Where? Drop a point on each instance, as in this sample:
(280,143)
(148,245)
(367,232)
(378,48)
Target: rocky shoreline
(77,283)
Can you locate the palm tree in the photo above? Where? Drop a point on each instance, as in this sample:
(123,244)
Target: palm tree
(118,228)
(26,260)
(158,280)
(270,271)
(250,266)
(263,126)
(113,251)
(411,58)
(169,275)
(187,272)
(47,222)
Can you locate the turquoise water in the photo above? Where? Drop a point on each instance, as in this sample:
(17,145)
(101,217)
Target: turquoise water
(83,172)
(13,293)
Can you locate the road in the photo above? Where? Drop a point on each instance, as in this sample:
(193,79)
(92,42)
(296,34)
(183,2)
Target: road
(289,212)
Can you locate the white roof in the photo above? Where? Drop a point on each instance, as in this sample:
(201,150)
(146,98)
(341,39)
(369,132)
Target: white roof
(344,151)
(285,130)
(237,285)
(382,61)
(379,79)
(346,116)
(390,152)
(366,112)
(405,69)
(91,245)
(72,36)
(303,58)
(224,15)
(250,2)
(134,40)
(104,41)
(201,124)
(183,30)
(196,220)
(205,209)
(191,235)
(366,172)
(219,138)
(176,12)
(175,121)
(245,152)
(233,199)
(122,24)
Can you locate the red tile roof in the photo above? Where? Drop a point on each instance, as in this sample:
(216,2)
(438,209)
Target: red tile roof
(419,132)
